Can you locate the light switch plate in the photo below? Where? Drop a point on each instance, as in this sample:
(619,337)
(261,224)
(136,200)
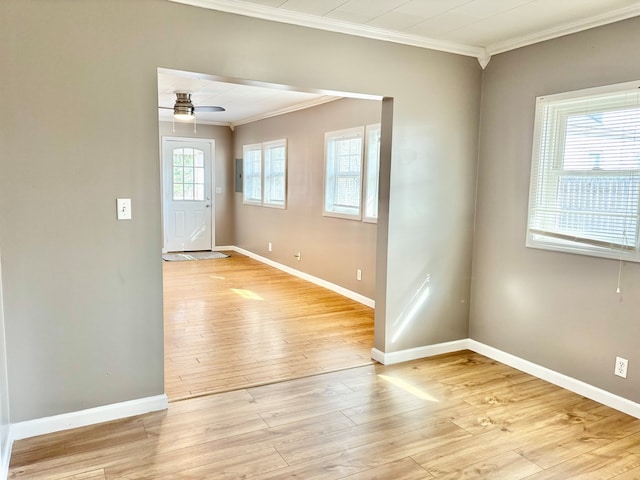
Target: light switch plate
(124,208)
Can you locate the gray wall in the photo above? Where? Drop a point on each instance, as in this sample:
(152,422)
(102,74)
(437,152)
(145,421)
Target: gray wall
(555,309)
(331,248)
(432,198)
(79,128)
(223,174)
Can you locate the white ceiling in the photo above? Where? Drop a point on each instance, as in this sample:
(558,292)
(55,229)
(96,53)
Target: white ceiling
(478,28)
(243,102)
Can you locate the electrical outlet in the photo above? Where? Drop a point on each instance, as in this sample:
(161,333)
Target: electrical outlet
(270,246)
(621,367)
(359,274)
(298,256)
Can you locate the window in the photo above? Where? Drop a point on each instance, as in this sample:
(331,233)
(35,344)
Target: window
(188,174)
(275,173)
(343,175)
(585,174)
(252,173)
(265,174)
(372,173)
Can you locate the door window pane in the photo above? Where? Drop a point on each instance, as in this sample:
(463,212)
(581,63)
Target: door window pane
(188,174)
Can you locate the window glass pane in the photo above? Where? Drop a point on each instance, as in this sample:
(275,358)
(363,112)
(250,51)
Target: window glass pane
(198,175)
(178,193)
(199,158)
(178,175)
(188,175)
(274,178)
(188,191)
(188,157)
(603,141)
(252,174)
(198,192)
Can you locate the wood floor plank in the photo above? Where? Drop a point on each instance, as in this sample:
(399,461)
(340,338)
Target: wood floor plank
(235,323)
(403,469)
(507,466)
(355,424)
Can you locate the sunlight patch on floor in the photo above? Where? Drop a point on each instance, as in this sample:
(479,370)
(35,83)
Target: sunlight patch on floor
(407,387)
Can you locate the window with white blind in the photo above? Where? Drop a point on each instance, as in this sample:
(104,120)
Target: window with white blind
(252,174)
(343,173)
(275,173)
(585,174)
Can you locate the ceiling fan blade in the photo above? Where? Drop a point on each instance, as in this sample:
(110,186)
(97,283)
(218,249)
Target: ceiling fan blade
(206,108)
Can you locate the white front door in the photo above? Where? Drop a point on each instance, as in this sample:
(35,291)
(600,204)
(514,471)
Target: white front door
(187,198)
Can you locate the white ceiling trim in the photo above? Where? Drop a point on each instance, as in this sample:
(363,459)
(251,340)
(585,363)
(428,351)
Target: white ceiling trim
(566,29)
(322,23)
(482,53)
(282,111)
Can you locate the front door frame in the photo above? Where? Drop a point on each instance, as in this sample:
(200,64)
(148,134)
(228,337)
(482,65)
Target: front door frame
(212,143)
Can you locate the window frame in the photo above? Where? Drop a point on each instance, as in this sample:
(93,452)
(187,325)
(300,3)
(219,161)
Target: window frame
(548,169)
(264,174)
(329,207)
(371,183)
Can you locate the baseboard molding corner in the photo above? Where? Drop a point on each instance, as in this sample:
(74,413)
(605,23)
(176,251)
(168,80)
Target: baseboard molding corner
(305,276)
(90,416)
(577,386)
(389,358)
(5,455)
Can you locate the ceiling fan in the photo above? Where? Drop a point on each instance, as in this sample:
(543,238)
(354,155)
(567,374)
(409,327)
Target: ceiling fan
(184,109)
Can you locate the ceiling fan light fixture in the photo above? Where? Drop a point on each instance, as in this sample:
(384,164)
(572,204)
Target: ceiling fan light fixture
(183,109)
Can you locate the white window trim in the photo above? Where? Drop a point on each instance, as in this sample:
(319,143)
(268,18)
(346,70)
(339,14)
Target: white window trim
(371,157)
(329,136)
(557,241)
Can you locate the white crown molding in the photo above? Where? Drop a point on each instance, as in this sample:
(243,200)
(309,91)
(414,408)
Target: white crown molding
(283,111)
(322,23)
(565,29)
(483,54)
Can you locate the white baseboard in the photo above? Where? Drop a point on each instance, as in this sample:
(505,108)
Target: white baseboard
(90,416)
(419,352)
(305,276)
(577,386)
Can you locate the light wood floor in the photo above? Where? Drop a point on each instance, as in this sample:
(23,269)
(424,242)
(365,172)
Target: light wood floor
(459,416)
(236,322)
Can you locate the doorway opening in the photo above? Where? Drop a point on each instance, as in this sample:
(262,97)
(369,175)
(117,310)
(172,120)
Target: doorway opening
(219,326)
